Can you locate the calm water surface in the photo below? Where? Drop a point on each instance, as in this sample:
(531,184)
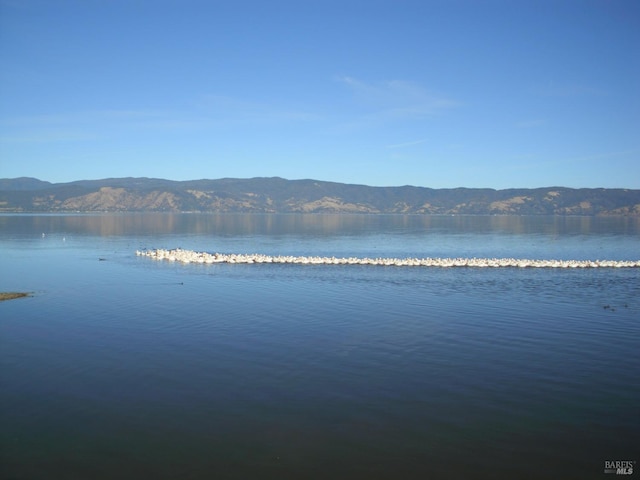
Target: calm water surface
(122,367)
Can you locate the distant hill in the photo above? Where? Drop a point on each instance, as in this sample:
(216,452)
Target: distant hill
(22,183)
(278,195)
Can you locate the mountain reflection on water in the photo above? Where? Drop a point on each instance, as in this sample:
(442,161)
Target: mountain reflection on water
(323,224)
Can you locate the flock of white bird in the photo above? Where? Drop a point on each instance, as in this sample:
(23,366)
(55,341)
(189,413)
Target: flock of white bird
(190,256)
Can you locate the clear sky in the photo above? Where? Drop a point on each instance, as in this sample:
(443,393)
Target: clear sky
(439,94)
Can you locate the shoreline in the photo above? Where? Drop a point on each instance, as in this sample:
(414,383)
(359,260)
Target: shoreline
(12,295)
(190,256)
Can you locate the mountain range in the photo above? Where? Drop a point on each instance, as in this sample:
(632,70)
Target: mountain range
(278,195)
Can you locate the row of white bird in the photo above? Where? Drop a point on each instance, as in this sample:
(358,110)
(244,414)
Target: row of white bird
(190,256)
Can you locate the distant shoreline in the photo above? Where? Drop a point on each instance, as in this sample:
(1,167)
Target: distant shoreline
(96,213)
(279,195)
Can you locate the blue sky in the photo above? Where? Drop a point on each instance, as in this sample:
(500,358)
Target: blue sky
(451,93)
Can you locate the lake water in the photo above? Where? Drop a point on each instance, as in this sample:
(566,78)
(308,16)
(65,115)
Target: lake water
(122,367)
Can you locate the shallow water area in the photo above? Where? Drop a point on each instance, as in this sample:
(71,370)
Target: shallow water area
(122,367)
